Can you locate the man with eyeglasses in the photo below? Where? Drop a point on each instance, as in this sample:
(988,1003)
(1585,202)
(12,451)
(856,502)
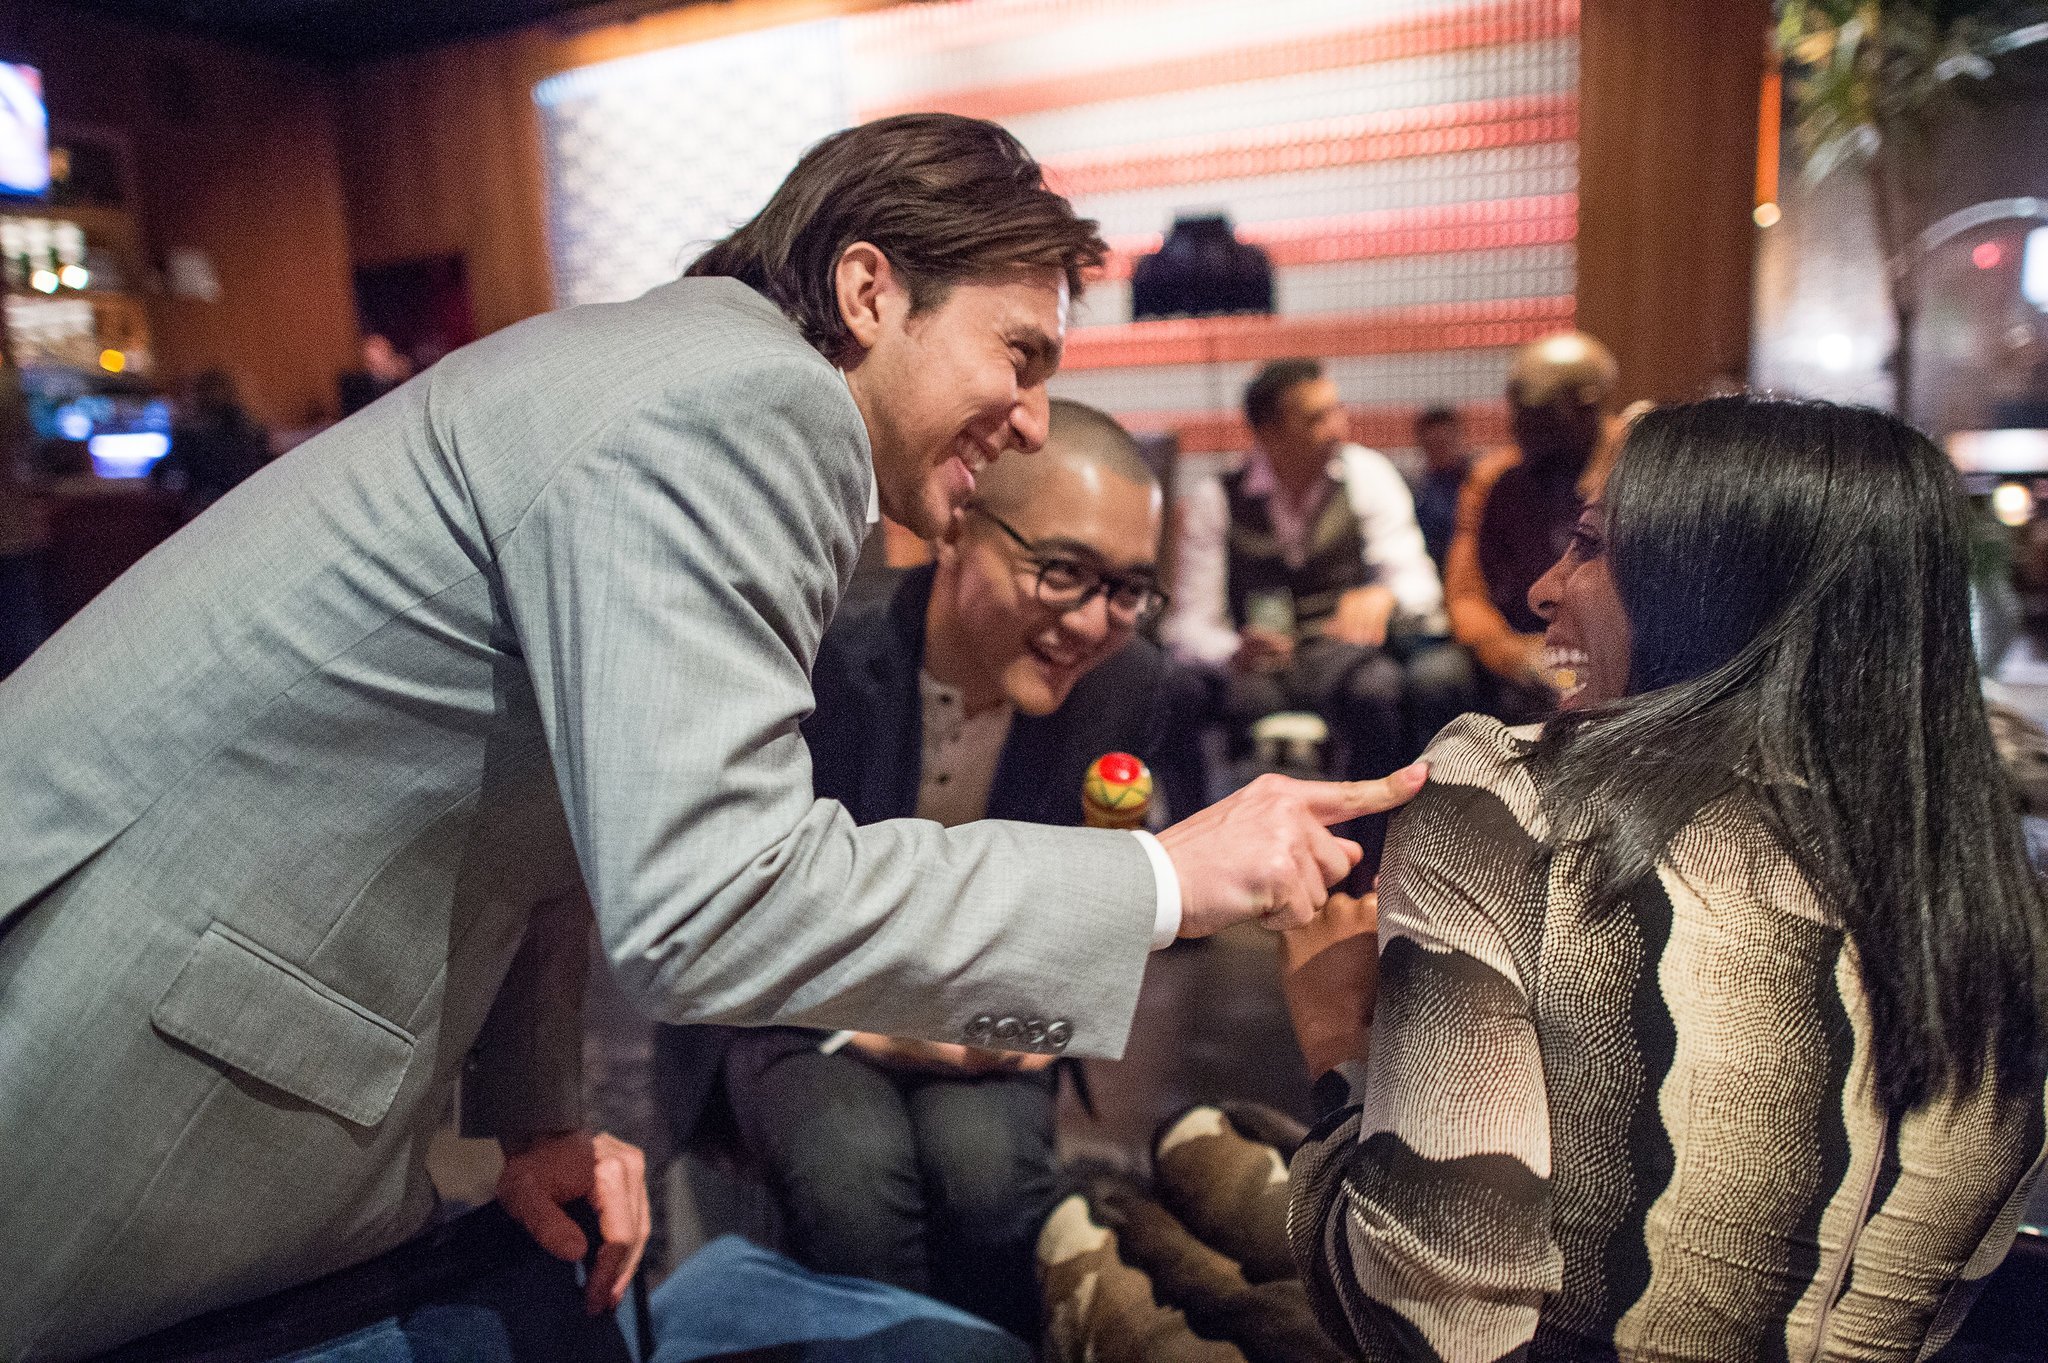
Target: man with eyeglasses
(983,687)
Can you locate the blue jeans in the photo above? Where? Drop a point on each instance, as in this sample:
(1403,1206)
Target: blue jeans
(732,1297)
(729,1298)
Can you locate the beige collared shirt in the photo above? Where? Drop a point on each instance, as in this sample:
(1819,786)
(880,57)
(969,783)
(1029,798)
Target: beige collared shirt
(960,754)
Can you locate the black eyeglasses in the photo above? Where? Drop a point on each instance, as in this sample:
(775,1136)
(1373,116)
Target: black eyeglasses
(1065,584)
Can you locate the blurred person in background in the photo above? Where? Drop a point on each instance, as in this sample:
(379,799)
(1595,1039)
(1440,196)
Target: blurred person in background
(215,444)
(1446,459)
(1302,583)
(1517,510)
(385,367)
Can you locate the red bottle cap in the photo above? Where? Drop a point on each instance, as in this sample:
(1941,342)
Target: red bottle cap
(1119,768)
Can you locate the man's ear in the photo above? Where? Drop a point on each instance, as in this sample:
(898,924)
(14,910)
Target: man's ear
(864,283)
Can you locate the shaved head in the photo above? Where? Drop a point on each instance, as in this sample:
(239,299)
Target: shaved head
(1568,364)
(1080,438)
(1086,509)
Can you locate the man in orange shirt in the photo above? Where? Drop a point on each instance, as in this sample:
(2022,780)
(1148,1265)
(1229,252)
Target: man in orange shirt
(1517,509)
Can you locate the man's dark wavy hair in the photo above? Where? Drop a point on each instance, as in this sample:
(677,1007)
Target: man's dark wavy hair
(1795,578)
(946,199)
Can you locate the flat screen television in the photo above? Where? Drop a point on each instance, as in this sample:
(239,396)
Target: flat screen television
(24,133)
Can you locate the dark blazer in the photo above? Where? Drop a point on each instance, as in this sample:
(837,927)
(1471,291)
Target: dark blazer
(867,734)
(866,739)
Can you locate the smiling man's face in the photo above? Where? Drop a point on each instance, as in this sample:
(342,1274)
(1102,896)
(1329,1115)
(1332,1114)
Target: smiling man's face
(1007,645)
(949,390)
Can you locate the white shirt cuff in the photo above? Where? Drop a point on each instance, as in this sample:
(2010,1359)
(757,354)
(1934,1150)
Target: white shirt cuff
(1166,916)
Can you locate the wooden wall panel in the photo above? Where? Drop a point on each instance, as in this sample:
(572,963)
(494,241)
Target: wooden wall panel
(235,157)
(1667,165)
(441,155)
(441,150)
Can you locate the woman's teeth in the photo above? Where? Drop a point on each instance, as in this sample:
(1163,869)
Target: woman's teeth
(1567,670)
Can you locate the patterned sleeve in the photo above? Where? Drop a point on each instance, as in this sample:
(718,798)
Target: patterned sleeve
(1421,1208)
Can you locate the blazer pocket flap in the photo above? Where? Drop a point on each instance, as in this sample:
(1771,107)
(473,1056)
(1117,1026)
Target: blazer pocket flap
(257,1012)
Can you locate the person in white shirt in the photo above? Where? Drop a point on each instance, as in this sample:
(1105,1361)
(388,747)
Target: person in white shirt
(1304,584)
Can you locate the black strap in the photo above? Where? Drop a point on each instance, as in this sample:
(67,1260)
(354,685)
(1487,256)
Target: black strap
(1077,1075)
(643,1319)
(431,1267)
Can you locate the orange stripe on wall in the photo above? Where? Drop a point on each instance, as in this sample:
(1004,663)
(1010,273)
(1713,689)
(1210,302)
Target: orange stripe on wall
(1483,225)
(1432,130)
(1382,427)
(1770,110)
(1460,30)
(1211,340)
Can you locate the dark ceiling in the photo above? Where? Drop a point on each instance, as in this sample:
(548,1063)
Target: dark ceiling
(342,32)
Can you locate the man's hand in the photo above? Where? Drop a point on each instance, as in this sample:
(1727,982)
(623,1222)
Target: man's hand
(1266,852)
(1262,650)
(1363,615)
(943,1057)
(544,1172)
(1330,975)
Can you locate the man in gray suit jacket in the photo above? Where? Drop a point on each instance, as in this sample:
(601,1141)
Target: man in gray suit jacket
(293,817)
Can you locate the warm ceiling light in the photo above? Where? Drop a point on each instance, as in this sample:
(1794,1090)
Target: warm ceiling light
(1767,215)
(43,281)
(74,276)
(2012,504)
(113,361)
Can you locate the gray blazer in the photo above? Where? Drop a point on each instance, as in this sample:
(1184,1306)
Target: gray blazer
(283,810)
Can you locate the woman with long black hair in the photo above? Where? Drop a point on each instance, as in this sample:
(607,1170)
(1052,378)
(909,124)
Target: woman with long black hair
(1710,1014)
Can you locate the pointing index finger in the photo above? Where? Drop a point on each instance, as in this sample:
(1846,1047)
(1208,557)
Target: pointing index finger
(1335,801)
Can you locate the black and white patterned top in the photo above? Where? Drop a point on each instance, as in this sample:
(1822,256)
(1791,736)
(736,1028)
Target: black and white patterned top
(1648,1135)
